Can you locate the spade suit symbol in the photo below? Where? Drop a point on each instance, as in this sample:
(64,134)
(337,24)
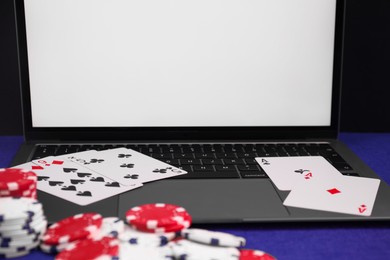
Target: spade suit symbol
(75,181)
(71,188)
(84,193)
(160,170)
(112,184)
(56,183)
(67,170)
(96,161)
(83,174)
(98,179)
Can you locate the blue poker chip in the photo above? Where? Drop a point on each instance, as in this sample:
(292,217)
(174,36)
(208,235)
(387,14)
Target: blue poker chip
(213,238)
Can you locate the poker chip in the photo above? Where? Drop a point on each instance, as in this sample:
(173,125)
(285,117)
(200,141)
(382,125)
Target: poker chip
(112,227)
(54,249)
(77,227)
(107,247)
(29,223)
(167,229)
(250,254)
(16,179)
(185,249)
(21,227)
(18,210)
(159,215)
(17,183)
(130,252)
(135,237)
(212,238)
(25,230)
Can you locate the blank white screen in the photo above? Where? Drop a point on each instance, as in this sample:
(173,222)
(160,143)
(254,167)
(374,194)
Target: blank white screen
(98,63)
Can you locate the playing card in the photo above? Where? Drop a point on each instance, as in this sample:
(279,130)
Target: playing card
(344,194)
(73,182)
(288,172)
(125,165)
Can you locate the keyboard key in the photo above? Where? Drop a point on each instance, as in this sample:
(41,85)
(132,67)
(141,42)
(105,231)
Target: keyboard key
(183,156)
(246,155)
(247,168)
(205,155)
(233,161)
(212,161)
(342,166)
(225,168)
(203,168)
(253,174)
(208,175)
(190,162)
(225,155)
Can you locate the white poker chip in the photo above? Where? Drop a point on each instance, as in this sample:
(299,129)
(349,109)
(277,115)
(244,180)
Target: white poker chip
(112,227)
(130,252)
(135,237)
(39,228)
(213,238)
(30,219)
(17,210)
(27,224)
(185,249)
(15,249)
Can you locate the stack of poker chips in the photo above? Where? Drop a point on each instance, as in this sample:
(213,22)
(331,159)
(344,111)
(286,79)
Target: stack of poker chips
(22,224)
(65,233)
(18,183)
(152,231)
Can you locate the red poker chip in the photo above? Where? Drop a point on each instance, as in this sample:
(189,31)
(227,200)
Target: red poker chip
(166,229)
(29,192)
(91,249)
(70,229)
(250,254)
(152,216)
(13,179)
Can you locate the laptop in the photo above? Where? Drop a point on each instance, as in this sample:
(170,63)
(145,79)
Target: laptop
(206,86)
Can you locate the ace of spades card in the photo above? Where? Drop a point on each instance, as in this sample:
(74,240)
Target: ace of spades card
(125,165)
(73,182)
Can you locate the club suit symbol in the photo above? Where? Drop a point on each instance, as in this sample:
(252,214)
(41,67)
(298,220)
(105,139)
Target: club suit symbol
(127,165)
(122,155)
(131,176)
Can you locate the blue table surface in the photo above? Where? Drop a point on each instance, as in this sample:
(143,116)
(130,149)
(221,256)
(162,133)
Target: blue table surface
(346,240)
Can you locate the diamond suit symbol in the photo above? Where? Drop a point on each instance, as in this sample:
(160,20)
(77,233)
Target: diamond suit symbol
(333,191)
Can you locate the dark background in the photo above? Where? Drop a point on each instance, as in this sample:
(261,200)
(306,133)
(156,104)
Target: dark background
(366,83)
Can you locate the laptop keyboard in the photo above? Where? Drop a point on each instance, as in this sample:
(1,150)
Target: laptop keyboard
(212,160)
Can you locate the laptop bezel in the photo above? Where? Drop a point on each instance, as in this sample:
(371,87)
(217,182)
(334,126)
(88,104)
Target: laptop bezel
(176,133)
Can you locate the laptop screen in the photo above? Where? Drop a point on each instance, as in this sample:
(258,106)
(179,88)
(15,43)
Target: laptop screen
(180,63)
